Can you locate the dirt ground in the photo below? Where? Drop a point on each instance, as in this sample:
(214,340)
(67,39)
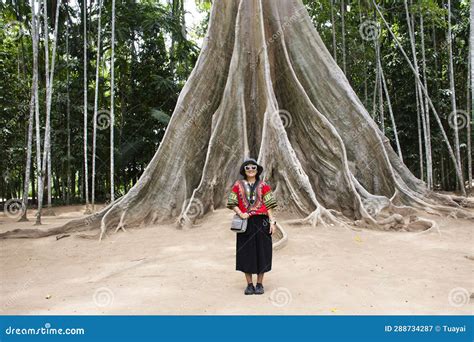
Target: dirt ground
(162,270)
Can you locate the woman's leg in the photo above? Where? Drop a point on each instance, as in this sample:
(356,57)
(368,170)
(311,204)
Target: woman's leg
(259,288)
(248,276)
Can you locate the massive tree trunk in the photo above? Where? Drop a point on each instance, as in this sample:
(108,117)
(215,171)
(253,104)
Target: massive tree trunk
(265,85)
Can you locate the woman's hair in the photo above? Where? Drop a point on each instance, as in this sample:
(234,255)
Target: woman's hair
(253,162)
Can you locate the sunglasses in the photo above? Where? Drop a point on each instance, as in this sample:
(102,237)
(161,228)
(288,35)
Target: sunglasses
(250,167)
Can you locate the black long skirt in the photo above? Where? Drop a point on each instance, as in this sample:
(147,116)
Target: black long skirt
(254,247)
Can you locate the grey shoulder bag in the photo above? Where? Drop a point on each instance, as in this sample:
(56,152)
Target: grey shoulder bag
(239,225)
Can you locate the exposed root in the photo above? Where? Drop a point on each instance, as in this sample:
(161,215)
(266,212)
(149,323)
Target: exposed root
(184,221)
(39,233)
(88,236)
(463,201)
(422,225)
(88,223)
(121,224)
(327,218)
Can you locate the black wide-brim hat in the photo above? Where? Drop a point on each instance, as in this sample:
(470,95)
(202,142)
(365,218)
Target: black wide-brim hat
(251,161)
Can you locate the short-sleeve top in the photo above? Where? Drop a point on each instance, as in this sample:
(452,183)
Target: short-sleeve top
(240,196)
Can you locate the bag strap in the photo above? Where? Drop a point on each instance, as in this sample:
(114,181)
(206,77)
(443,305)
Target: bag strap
(252,190)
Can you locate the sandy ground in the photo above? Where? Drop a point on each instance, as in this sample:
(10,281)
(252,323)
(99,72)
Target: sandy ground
(163,270)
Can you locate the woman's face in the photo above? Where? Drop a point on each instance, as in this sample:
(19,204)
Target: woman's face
(250,170)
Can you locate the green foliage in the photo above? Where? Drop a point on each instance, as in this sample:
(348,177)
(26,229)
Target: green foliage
(361,61)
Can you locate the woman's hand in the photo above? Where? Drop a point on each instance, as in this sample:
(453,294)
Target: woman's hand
(244,215)
(272,228)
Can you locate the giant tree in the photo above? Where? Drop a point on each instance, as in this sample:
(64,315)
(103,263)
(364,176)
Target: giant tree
(266,86)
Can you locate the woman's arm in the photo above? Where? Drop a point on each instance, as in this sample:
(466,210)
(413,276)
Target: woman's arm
(239,212)
(271,216)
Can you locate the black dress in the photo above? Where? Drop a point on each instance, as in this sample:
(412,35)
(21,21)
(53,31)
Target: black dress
(254,247)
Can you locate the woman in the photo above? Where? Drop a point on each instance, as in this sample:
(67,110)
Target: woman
(252,199)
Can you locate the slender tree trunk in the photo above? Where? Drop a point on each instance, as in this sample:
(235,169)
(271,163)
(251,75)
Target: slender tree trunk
(411,30)
(468,125)
(70,190)
(433,109)
(470,106)
(443,177)
(33,187)
(343,14)
(420,137)
(333,29)
(392,118)
(35,33)
(96,103)
(435,49)
(376,85)
(454,121)
(379,85)
(365,64)
(429,161)
(49,90)
(112,111)
(86,174)
(29,146)
(47,80)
